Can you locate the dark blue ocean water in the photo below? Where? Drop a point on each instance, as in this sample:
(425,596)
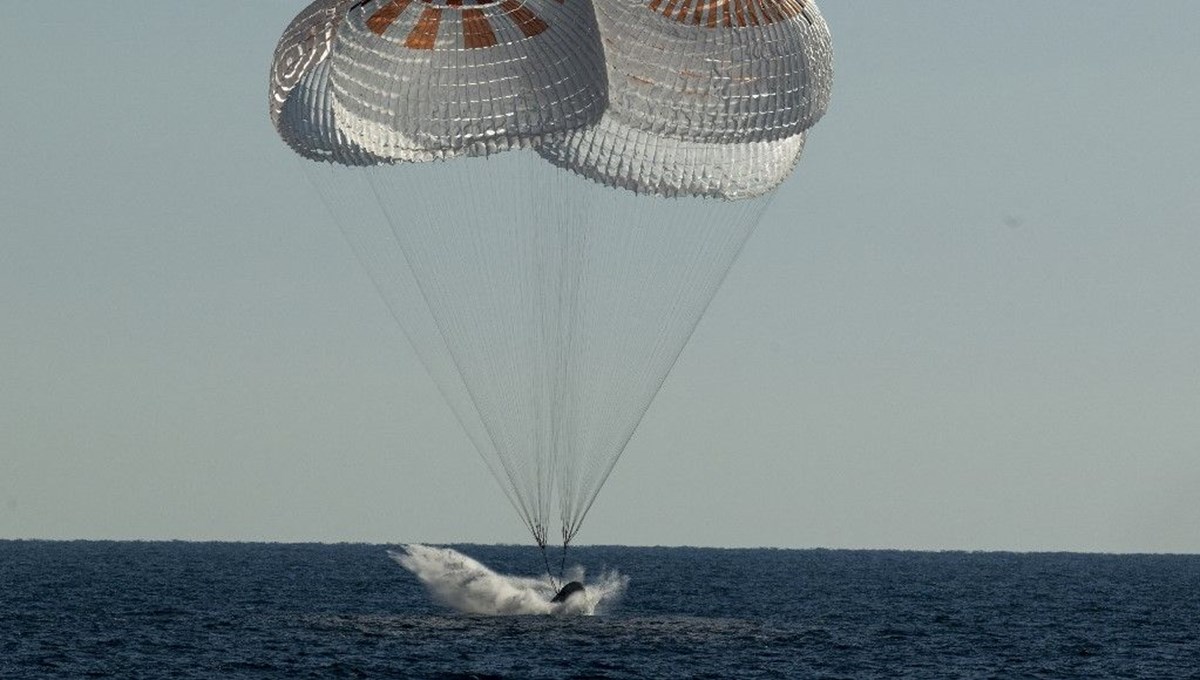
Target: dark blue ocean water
(219,610)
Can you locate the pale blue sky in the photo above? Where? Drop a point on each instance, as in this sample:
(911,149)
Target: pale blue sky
(969,321)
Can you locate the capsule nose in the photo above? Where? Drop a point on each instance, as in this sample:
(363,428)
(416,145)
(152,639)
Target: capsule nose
(567,591)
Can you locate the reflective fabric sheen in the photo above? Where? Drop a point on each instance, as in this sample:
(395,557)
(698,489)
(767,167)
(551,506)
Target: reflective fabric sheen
(706,98)
(301,108)
(307,123)
(305,43)
(417,81)
(674,77)
(625,157)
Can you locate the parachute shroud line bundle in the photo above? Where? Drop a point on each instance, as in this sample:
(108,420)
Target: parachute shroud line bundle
(547,308)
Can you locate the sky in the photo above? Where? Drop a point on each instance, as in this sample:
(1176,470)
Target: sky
(968,322)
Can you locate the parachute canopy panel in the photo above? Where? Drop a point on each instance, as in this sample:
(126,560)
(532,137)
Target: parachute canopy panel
(416,81)
(706,97)
(301,107)
(716,70)
(305,43)
(623,156)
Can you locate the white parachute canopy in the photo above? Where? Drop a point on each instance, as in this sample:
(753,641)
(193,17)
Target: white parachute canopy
(548,308)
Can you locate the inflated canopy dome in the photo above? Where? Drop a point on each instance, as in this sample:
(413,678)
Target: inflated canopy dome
(672,97)
(706,97)
(419,80)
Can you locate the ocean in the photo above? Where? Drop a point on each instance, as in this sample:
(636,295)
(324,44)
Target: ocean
(247,610)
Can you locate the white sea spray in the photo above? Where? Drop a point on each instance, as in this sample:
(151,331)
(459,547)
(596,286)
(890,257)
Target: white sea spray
(466,585)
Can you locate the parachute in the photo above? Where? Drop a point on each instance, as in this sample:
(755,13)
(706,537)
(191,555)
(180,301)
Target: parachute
(547,194)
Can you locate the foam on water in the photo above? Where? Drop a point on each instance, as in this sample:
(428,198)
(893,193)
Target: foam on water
(468,586)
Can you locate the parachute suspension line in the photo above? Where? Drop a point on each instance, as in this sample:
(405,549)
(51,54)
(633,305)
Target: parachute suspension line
(565,220)
(650,250)
(530,270)
(548,309)
(531,517)
(378,252)
(475,264)
(562,564)
(512,489)
(554,583)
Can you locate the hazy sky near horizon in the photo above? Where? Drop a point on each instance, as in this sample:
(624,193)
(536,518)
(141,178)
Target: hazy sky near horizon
(969,321)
